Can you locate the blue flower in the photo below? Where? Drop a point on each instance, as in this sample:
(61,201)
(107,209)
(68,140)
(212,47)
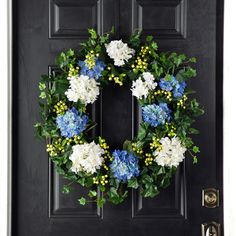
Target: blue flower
(178,91)
(124,165)
(174,85)
(156,114)
(167,84)
(95,72)
(71,123)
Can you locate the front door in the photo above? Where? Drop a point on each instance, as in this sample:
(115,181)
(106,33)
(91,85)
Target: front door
(43,28)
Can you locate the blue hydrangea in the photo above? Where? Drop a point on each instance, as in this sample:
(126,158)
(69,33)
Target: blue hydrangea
(178,91)
(156,114)
(169,84)
(124,165)
(174,85)
(71,123)
(95,72)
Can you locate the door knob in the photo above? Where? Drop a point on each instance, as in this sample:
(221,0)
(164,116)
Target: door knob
(211,229)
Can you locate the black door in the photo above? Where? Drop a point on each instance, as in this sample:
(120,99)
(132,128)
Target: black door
(43,28)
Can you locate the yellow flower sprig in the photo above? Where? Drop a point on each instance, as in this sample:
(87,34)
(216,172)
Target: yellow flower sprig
(171,129)
(117,79)
(162,93)
(56,148)
(90,59)
(136,149)
(141,63)
(73,71)
(60,107)
(181,102)
(149,159)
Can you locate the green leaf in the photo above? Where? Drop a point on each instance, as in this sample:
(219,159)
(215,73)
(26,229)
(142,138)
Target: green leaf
(66,189)
(101,201)
(82,201)
(195,160)
(149,38)
(42,95)
(193,60)
(196,149)
(133,183)
(42,86)
(92,33)
(92,193)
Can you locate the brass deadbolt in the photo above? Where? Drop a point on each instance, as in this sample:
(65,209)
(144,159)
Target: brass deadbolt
(210,198)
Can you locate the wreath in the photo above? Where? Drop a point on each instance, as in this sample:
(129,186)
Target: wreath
(158,80)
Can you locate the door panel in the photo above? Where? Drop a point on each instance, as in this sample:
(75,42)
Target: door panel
(44,28)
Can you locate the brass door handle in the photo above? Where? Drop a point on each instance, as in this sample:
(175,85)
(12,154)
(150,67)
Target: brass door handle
(211,229)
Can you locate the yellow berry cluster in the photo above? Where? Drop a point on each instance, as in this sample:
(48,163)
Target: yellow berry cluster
(73,71)
(107,155)
(90,59)
(103,180)
(136,149)
(159,92)
(148,159)
(55,148)
(181,102)
(171,130)
(155,144)
(76,139)
(117,79)
(141,62)
(60,107)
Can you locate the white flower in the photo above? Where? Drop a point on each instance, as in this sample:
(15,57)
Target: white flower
(119,52)
(142,86)
(82,88)
(171,154)
(86,157)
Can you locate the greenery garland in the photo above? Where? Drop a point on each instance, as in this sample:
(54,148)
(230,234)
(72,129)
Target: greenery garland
(157,80)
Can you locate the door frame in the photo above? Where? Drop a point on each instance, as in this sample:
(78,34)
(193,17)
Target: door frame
(6,95)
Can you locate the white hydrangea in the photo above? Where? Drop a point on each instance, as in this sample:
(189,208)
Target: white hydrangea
(86,157)
(142,86)
(119,52)
(82,88)
(171,153)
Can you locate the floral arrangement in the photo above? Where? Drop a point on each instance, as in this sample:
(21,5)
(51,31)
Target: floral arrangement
(158,80)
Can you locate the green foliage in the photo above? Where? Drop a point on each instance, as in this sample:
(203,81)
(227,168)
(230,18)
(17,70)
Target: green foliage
(152,177)
(82,201)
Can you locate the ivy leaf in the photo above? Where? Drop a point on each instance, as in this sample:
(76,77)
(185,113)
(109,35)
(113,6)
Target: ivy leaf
(195,160)
(196,149)
(133,183)
(66,189)
(42,86)
(92,33)
(149,38)
(82,201)
(92,193)
(101,201)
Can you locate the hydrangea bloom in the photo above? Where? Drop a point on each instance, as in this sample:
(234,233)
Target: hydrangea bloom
(178,91)
(82,88)
(142,86)
(124,165)
(156,114)
(86,157)
(71,123)
(93,73)
(119,52)
(174,85)
(171,154)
